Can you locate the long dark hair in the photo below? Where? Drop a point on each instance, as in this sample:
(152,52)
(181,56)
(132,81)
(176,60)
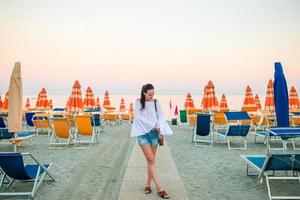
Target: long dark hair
(145,88)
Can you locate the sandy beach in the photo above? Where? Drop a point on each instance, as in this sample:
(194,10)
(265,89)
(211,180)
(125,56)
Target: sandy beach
(97,172)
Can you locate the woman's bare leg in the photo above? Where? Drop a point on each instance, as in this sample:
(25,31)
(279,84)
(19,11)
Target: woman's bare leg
(149,153)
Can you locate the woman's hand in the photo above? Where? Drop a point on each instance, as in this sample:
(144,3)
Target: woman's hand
(160,136)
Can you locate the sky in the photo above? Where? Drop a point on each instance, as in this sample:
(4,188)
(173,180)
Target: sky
(176,45)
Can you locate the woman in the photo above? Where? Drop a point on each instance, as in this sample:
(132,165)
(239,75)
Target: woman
(149,126)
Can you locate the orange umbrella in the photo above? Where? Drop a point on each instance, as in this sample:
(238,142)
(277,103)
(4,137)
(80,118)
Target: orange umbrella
(76,104)
(89,99)
(257,102)
(269,103)
(210,101)
(42,102)
(249,101)
(131,109)
(67,107)
(5,102)
(50,104)
(98,105)
(203,103)
(27,105)
(223,103)
(106,102)
(122,106)
(294,99)
(1,104)
(189,102)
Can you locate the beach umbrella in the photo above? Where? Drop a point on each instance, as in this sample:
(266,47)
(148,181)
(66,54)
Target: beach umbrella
(203,103)
(1,104)
(189,102)
(249,101)
(176,111)
(50,104)
(106,102)
(223,103)
(27,105)
(257,102)
(89,99)
(68,103)
(15,107)
(122,106)
(294,103)
(281,97)
(42,101)
(210,102)
(5,102)
(98,105)
(269,102)
(131,109)
(76,103)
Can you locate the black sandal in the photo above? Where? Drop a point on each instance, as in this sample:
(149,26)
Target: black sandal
(163,195)
(147,190)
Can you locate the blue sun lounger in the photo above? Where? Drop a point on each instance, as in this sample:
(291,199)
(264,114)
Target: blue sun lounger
(5,135)
(264,164)
(13,168)
(235,128)
(203,129)
(29,116)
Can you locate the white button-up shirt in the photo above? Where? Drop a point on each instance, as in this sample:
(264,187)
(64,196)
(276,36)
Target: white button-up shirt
(145,120)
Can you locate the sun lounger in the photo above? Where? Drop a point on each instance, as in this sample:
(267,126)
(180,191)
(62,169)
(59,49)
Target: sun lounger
(14,169)
(235,128)
(62,133)
(29,116)
(85,128)
(264,164)
(97,123)
(203,130)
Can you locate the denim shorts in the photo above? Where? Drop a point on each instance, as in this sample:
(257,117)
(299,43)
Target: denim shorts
(150,138)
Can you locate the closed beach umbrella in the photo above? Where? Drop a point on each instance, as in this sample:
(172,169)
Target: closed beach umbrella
(42,102)
(27,105)
(1,104)
(68,104)
(294,103)
(5,102)
(249,101)
(50,104)
(269,102)
(203,101)
(257,102)
(189,102)
(176,111)
(76,103)
(106,102)
(131,109)
(122,106)
(98,105)
(223,103)
(281,97)
(15,108)
(210,102)
(89,99)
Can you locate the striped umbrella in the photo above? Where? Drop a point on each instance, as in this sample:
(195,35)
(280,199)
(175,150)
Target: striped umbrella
(89,99)
(294,103)
(76,103)
(131,109)
(27,104)
(1,104)
(223,103)
(257,102)
(42,101)
(5,102)
(189,102)
(203,103)
(269,102)
(210,102)
(106,102)
(249,101)
(98,105)
(122,106)
(50,104)
(67,107)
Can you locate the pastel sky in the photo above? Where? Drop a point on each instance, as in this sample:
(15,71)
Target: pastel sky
(176,45)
